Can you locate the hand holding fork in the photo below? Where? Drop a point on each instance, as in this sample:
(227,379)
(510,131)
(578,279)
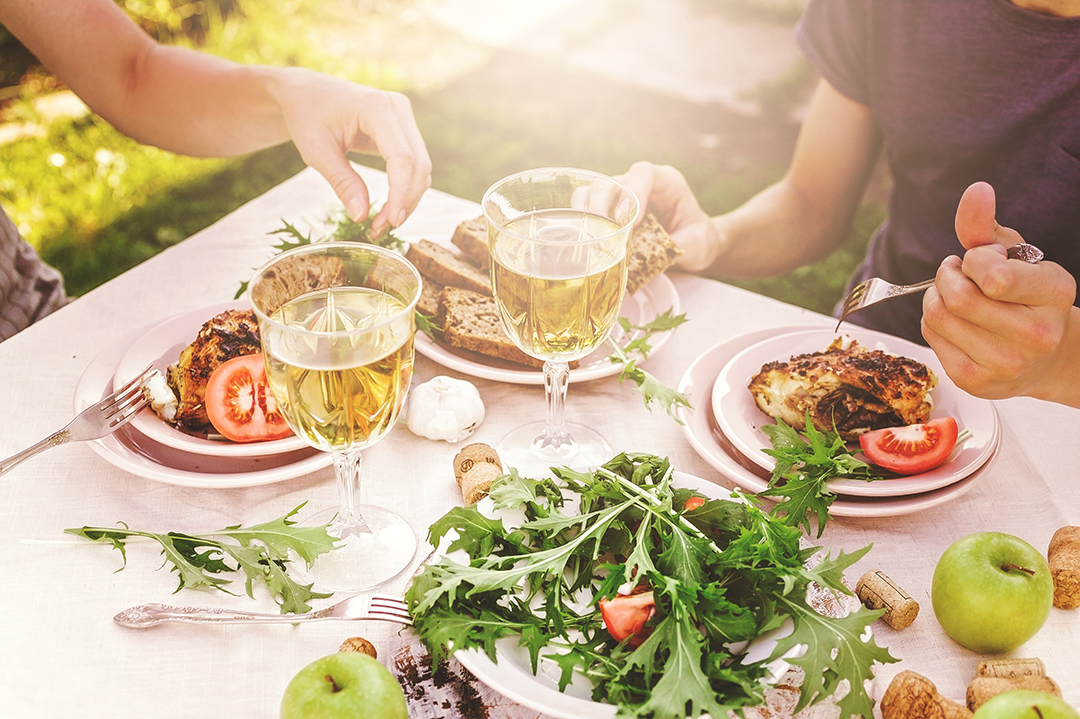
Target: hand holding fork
(875,289)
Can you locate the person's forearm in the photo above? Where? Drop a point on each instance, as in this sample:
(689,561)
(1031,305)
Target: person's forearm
(774,233)
(196,104)
(181,100)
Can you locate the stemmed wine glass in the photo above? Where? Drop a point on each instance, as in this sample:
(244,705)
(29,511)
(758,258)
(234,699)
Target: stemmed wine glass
(337,323)
(558,244)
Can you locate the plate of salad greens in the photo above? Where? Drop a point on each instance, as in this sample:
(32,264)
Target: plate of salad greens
(516,597)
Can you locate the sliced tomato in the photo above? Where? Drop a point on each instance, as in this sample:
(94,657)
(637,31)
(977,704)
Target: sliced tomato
(693,503)
(239,402)
(625,615)
(912,449)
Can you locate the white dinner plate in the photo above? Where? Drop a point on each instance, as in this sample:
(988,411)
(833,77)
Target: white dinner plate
(642,307)
(144,457)
(740,419)
(159,347)
(707,441)
(512,674)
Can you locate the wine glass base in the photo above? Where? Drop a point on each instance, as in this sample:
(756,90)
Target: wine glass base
(361,561)
(521,449)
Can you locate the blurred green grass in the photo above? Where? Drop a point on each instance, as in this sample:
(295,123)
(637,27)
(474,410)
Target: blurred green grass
(96,203)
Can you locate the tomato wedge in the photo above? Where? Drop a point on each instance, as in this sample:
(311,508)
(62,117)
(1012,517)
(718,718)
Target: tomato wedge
(912,449)
(625,616)
(693,503)
(240,404)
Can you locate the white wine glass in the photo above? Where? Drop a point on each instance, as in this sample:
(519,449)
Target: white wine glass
(558,244)
(337,322)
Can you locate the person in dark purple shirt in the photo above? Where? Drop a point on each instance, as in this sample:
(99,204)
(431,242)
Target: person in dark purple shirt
(976,105)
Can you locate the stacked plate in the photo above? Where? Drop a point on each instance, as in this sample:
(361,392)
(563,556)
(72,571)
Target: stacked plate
(725,425)
(151,448)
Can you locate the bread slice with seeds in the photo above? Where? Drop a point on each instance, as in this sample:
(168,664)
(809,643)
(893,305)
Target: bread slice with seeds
(445,267)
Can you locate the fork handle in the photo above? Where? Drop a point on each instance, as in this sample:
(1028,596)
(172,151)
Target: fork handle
(907,289)
(53,440)
(149,615)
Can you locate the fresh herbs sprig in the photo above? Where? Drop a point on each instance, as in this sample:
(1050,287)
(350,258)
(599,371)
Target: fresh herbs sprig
(344,229)
(261,552)
(804,464)
(721,574)
(638,349)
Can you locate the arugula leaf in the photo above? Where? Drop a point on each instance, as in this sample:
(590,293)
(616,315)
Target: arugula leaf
(804,464)
(652,389)
(720,574)
(262,553)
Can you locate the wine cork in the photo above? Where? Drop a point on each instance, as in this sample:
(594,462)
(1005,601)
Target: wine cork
(359,645)
(1063,556)
(983,689)
(471,455)
(476,483)
(1008,668)
(876,591)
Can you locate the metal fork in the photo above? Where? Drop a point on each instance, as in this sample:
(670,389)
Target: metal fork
(875,289)
(361,606)
(94,422)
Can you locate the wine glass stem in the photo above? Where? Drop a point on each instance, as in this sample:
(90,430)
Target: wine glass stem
(555,434)
(349,522)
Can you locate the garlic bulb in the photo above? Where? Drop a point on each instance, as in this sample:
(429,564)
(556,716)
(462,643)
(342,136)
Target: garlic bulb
(444,408)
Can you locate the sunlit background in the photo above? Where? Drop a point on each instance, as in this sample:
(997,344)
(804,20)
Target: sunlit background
(713,87)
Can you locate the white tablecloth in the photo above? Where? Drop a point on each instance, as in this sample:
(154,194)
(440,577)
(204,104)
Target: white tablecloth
(61,655)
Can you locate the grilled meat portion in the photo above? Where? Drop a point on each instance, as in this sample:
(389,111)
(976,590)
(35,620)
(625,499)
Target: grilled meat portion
(854,388)
(233,333)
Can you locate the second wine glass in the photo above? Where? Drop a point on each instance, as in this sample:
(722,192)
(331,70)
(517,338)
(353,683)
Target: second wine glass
(337,323)
(558,244)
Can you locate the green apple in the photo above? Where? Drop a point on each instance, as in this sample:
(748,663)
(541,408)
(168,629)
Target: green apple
(991,591)
(344,686)
(1026,704)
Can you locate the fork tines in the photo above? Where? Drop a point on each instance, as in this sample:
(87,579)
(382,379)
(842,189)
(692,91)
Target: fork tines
(389,607)
(125,402)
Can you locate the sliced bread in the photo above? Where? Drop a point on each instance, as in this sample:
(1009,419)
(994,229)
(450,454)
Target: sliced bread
(471,237)
(651,251)
(471,321)
(447,268)
(428,304)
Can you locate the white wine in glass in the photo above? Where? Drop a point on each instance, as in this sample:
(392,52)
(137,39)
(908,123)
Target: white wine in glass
(558,244)
(337,333)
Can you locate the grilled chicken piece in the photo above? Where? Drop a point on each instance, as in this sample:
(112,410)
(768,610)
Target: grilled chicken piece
(233,333)
(857,389)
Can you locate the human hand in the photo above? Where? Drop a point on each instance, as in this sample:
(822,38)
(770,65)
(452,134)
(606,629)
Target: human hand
(1000,328)
(663,191)
(327,117)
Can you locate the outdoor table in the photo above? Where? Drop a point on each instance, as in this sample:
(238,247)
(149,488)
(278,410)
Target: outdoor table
(61,655)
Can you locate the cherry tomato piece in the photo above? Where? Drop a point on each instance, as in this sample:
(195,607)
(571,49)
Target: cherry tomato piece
(239,402)
(625,615)
(694,503)
(912,449)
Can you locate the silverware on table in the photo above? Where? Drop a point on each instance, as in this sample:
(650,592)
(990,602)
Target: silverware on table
(95,421)
(875,289)
(361,606)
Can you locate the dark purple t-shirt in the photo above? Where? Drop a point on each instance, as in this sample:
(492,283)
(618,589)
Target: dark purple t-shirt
(963,90)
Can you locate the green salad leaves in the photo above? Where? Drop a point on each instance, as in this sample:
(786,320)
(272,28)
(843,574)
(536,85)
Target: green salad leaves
(804,463)
(261,552)
(722,574)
